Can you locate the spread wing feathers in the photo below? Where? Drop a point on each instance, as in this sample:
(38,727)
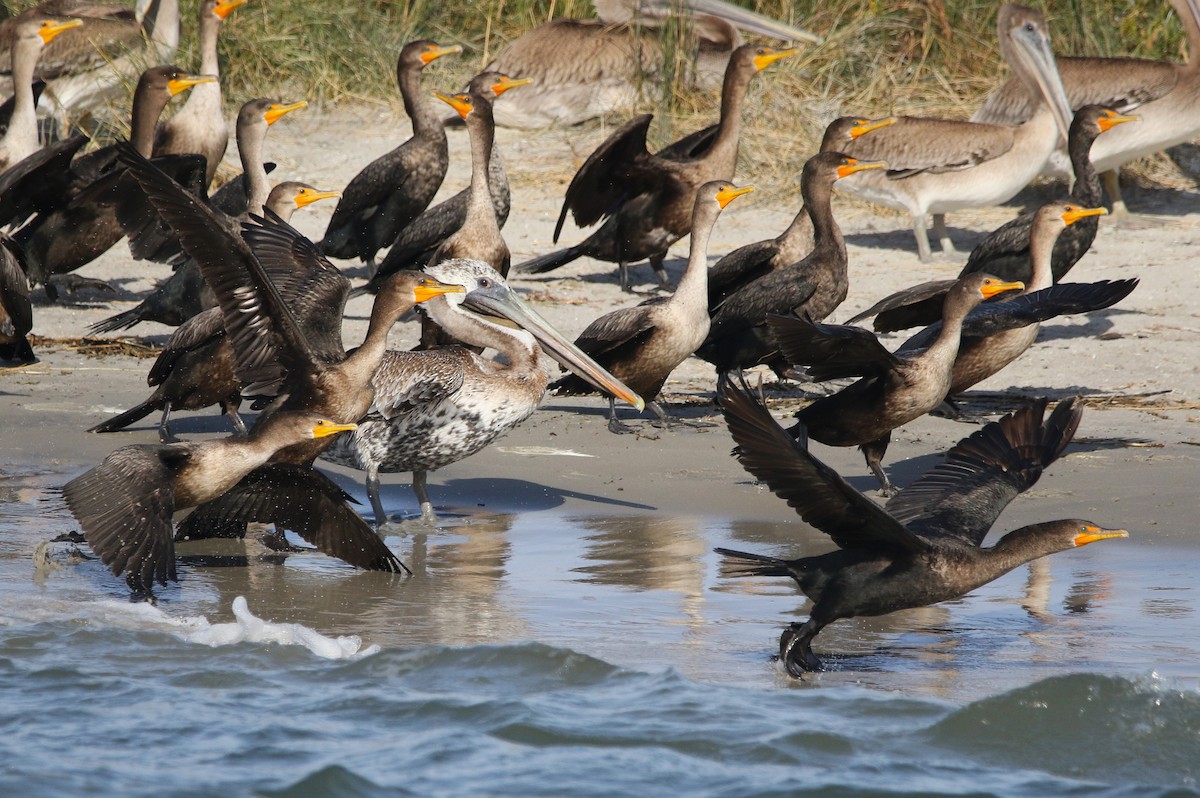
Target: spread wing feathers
(1063,299)
(150,237)
(193,333)
(305,501)
(613,330)
(298,269)
(39,182)
(916,306)
(915,144)
(691,146)
(1009,240)
(406,380)
(264,334)
(830,351)
(781,291)
(820,496)
(962,496)
(124,506)
(14,287)
(603,180)
(1118,83)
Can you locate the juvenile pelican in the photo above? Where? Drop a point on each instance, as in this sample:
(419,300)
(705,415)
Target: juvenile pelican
(587,68)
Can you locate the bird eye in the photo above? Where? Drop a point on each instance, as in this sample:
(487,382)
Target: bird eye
(485,283)
(1030,27)
(761,51)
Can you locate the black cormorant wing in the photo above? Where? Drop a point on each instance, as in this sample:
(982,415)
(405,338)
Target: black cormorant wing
(305,501)
(830,351)
(124,506)
(1063,299)
(605,179)
(821,497)
(962,496)
(916,306)
(614,330)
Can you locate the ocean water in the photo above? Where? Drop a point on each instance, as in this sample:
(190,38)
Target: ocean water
(566,653)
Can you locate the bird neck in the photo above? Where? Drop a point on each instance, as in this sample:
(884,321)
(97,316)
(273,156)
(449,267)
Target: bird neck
(425,119)
(250,138)
(210,28)
(1041,253)
(22,135)
(148,105)
(517,346)
(1021,546)
(480,208)
(693,285)
(729,128)
(364,361)
(818,201)
(1086,190)
(945,347)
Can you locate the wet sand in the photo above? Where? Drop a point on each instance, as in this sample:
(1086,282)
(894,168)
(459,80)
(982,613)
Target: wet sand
(648,508)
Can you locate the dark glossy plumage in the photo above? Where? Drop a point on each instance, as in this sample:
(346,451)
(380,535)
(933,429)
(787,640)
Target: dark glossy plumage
(645,200)
(126,503)
(893,389)
(393,189)
(814,285)
(82,224)
(418,241)
(16,312)
(925,545)
(1005,252)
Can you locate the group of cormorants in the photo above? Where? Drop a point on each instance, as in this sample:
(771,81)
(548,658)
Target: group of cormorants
(258,307)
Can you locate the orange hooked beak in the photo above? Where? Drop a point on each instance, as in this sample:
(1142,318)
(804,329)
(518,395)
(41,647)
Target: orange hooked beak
(278,111)
(852,165)
(865,126)
(1073,214)
(459,102)
(728,194)
(992,287)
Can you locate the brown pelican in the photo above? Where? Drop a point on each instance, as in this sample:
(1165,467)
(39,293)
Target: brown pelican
(1166,96)
(587,68)
(125,504)
(30,37)
(813,286)
(391,190)
(936,166)
(646,200)
(643,344)
(925,546)
(438,406)
(200,126)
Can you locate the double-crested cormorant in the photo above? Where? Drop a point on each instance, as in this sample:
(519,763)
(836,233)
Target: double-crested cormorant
(746,264)
(643,344)
(1166,96)
(391,190)
(1005,252)
(936,165)
(587,68)
(893,390)
(125,504)
(30,37)
(815,285)
(83,225)
(438,406)
(417,242)
(196,368)
(16,312)
(185,294)
(646,200)
(92,66)
(925,546)
(200,126)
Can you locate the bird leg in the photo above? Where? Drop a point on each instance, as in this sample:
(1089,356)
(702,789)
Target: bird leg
(421,489)
(922,236)
(1112,187)
(230,408)
(275,540)
(614,425)
(623,276)
(660,271)
(373,494)
(795,648)
(943,235)
(372,267)
(874,451)
(667,421)
(164,428)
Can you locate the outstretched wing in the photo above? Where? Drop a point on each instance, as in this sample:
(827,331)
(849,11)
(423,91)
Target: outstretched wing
(830,351)
(813,489)
(962,497)
(305,501)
